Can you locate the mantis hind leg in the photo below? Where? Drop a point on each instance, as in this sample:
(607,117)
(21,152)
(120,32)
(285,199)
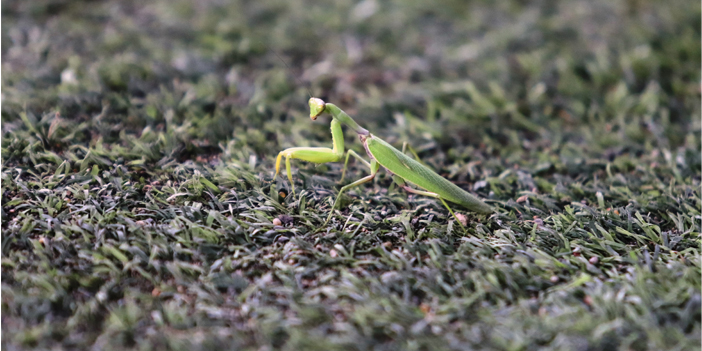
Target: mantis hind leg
(374,166)
(405,146)
(401,182)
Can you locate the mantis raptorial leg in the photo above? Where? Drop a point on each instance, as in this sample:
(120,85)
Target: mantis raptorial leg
(313,154)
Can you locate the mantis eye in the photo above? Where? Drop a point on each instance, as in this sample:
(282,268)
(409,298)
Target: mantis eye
(316,107)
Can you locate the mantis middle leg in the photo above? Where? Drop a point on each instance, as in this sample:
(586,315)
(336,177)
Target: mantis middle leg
(357,156)
(374,166)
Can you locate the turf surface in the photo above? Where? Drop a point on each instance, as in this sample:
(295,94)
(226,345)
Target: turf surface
(138,146)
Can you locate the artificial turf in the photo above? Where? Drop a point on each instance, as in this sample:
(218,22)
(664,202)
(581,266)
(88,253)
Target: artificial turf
(138,148)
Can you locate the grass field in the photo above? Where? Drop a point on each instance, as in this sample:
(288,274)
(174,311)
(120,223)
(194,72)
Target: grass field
(139,140)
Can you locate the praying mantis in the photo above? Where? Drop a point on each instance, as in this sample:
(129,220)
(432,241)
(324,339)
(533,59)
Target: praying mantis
(403,169)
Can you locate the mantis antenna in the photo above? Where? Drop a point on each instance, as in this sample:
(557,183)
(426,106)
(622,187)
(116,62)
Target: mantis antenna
(288,67)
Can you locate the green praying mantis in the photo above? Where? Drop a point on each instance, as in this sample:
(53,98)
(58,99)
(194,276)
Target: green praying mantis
(403,169)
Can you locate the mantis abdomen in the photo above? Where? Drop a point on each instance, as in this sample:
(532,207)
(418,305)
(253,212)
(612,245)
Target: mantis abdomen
(414,172)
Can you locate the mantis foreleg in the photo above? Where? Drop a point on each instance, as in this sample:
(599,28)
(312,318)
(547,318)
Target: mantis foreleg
(313,154)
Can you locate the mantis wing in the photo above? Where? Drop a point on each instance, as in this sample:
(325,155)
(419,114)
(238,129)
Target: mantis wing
(414,172)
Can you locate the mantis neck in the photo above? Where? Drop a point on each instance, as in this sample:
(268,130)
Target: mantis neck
(342,117)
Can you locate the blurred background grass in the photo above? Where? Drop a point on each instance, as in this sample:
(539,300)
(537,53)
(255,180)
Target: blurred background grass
(137,138)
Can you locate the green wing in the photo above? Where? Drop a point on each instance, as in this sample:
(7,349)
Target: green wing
(416,173)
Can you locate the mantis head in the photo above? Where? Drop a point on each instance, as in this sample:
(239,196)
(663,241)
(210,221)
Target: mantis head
(316,107)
